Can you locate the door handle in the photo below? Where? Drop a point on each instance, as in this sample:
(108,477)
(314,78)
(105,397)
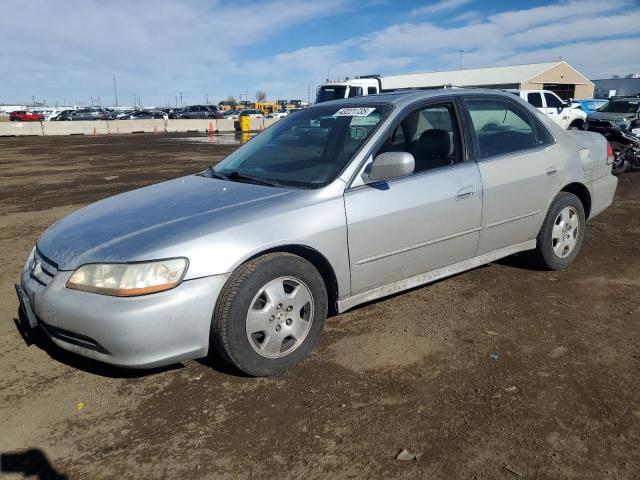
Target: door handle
(465,192)
(552,171)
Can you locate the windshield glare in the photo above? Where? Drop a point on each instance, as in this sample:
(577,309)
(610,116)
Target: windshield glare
(330,92)
(308,149)
(620,106)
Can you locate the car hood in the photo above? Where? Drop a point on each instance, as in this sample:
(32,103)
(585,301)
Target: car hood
(161,219)
(610,116)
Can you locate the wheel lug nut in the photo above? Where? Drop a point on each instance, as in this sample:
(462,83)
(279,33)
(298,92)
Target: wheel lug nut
(272,318)
(279,306)
(278,327)
(289,322)
(289,308)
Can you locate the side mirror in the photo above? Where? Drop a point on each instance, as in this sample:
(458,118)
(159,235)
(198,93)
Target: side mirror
(390,165)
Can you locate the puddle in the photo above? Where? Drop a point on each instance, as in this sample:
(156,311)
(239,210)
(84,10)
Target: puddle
(218,138)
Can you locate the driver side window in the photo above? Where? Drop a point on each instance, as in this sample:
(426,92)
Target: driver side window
(431,135)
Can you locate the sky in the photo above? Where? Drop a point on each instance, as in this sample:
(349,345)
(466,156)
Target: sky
(68,51)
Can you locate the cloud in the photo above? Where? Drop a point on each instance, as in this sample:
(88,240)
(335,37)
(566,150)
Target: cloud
(441,6)
(159,49)
(74,47)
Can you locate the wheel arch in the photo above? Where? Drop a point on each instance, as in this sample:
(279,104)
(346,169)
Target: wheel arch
(318,260)
(582,192)
(578,122)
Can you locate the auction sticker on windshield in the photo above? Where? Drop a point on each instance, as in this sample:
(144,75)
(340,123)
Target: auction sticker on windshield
(354,112)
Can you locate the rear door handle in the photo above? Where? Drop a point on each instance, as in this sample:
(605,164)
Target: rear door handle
(465,192)
(551,171)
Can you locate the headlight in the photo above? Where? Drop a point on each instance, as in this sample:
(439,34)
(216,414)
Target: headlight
(129,279)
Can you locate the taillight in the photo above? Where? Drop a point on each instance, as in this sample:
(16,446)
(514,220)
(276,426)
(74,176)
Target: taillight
(610,154)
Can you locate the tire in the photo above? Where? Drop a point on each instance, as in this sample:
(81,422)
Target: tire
(559,245)
(575,126)
(292,314)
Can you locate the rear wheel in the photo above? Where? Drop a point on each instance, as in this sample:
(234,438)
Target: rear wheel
(270,314)
(562,233)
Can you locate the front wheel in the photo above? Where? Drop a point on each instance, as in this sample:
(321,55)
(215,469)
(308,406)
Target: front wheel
(562,233)
(270,314)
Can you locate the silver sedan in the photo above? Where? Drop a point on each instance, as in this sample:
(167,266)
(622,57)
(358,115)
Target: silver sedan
(339,204)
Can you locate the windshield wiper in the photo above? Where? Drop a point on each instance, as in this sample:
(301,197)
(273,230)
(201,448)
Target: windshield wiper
(210,170)
(235,175)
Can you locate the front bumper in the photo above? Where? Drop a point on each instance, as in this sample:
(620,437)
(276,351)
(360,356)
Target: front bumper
(135,332)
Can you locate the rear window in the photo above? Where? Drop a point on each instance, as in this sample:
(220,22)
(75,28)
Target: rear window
(535,99)
(502,127)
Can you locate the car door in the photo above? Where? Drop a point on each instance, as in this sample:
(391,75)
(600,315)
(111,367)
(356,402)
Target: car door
(408,226)
(520,169)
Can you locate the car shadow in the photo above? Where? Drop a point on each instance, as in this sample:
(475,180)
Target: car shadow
(31,463)
(39,339)
(521,261)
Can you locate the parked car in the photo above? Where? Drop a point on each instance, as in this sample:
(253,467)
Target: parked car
(619,121)
(88,113)
(588,106)
(251,113)
(555,108)
(281,114)
(200,111)
(175,112)
(143,115)
(231,114)
(337,205)
(24,116)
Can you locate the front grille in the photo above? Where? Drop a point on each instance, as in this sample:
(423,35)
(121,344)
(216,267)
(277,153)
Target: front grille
(73,338)
(42,269)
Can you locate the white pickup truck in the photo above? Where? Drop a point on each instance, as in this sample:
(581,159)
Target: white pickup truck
(568,117)
(563,113)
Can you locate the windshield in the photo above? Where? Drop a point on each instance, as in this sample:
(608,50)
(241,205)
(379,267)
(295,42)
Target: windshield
(308,149)
(331,92)
(620,106)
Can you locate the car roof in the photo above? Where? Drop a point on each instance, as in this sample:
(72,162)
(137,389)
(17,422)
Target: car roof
(408,96)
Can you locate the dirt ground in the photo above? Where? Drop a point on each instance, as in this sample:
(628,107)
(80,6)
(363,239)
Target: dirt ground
(500,372)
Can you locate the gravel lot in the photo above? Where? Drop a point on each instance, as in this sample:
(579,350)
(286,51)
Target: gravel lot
(561,398)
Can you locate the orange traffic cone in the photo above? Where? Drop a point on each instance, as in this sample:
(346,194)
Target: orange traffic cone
(94,131)
(210,127)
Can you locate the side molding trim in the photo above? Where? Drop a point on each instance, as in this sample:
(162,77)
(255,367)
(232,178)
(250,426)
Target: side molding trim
(432,276)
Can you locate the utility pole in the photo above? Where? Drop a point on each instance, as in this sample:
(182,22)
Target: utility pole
(135,102)
(460,52)
(33,99)
(176,101)
(115,89)
(181,104)
(206,99)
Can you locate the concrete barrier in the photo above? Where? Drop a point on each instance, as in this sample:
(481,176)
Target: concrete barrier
(226,125)
(18,129)
(270,121)
(188,125)
(135,126)
(257,124)
(75,128)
